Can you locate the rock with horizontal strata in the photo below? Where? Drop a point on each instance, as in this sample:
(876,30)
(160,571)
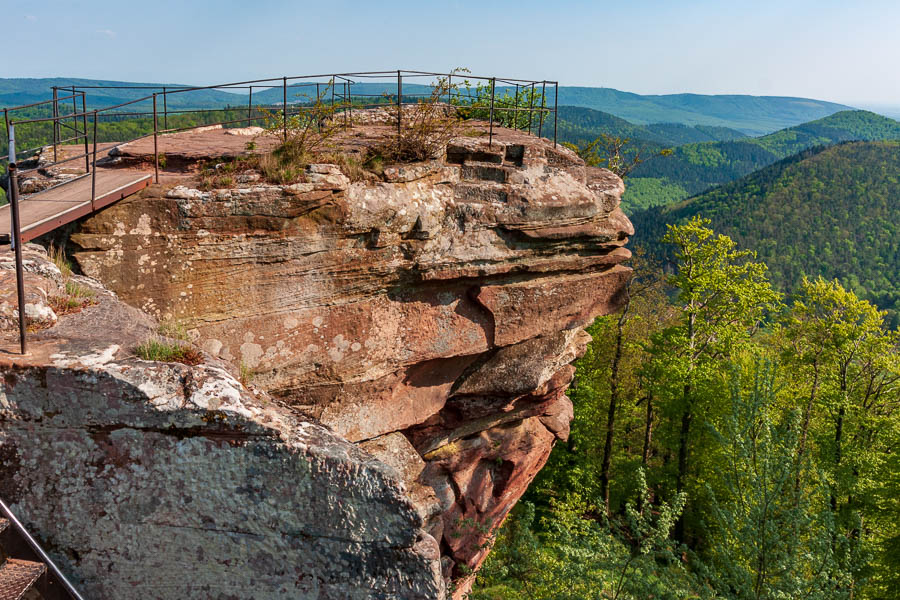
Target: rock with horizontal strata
(442,304)
(162,480)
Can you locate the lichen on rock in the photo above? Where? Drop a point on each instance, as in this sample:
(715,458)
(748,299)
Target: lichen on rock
(410,340)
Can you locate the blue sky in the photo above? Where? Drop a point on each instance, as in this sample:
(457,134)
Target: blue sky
(845,51)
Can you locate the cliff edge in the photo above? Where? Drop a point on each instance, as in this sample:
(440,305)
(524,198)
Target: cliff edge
(410,342)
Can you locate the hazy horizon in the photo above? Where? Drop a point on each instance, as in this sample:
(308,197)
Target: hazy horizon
(799,49)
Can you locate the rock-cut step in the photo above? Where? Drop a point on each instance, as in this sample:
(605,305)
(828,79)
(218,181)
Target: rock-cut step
(17,578)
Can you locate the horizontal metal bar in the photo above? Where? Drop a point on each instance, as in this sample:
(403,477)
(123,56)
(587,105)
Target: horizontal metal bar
(33,104)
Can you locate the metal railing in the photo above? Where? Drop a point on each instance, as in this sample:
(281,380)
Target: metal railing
(523,99)
(55,574)
(510,102)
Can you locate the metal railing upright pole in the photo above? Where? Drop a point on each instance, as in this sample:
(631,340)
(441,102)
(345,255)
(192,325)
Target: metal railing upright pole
(87,162)
(250,108)
(346,123)
(94,169)
(165,110)
(530,108)
(516,110)
(399,104)
(284,107)
(155,140)
(15,237)
(74,110)
(350,102)
(55,122)
(543,104)
(491,127)
(555,110)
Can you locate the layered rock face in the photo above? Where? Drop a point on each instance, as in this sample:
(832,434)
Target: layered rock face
(429,318)
(163,481)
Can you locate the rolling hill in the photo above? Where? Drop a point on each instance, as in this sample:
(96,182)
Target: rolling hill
(16,92)
(578,125)
(693,168)
(752,115)
(831,211)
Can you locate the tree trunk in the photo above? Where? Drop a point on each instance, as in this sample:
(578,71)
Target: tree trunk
(686,417)
(648,431)
(611,413)
(807,416)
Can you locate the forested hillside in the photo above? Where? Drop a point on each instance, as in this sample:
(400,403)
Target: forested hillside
(729,443)
(579,125)
(693,168)
(753,115)
(833,212)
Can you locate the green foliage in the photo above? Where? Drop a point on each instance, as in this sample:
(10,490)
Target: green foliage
(163,350)
(642,193)
(578,557)
(771,525)
(829,212)
(424,128)
(770,429)
(516,109)
(699,166)
(610,152)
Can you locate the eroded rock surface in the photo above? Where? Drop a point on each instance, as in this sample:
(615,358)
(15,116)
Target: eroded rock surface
(161,480)
(429,318)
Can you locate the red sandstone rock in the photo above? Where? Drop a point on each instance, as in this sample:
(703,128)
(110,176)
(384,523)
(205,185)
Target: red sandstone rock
(444,302)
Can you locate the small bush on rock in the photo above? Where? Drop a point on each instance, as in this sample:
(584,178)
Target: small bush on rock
(161,350)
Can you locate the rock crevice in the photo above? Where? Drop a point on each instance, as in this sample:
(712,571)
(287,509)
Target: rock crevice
(425,323)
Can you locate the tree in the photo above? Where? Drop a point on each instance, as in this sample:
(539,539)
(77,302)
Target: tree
(767,538)
(723,297)
(611,152)
(848,368)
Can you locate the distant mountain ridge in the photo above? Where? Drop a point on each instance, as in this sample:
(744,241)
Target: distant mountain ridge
(751,115)
(579,125)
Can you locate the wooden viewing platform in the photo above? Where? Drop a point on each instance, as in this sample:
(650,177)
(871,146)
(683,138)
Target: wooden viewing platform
(44,211)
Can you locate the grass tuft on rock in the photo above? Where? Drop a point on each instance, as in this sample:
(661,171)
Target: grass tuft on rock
(160,350)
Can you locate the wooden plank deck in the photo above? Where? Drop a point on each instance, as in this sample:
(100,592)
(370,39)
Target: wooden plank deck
(45,211)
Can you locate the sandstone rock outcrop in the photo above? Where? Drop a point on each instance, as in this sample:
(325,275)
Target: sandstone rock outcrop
(427,320)
(161,480)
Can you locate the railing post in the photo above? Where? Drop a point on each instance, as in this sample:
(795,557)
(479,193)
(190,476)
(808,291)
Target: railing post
(55,122)
(449,89)
(543,105)
(516,110)
(284,106)
(165,110)
(94,169)
(8,130)
(350,102)
(87,161)
(555,110)
(250,108)
(491,127)
(346,123)
(399,103)
(530,108)
(155,140)
(74,111)
(15,237)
